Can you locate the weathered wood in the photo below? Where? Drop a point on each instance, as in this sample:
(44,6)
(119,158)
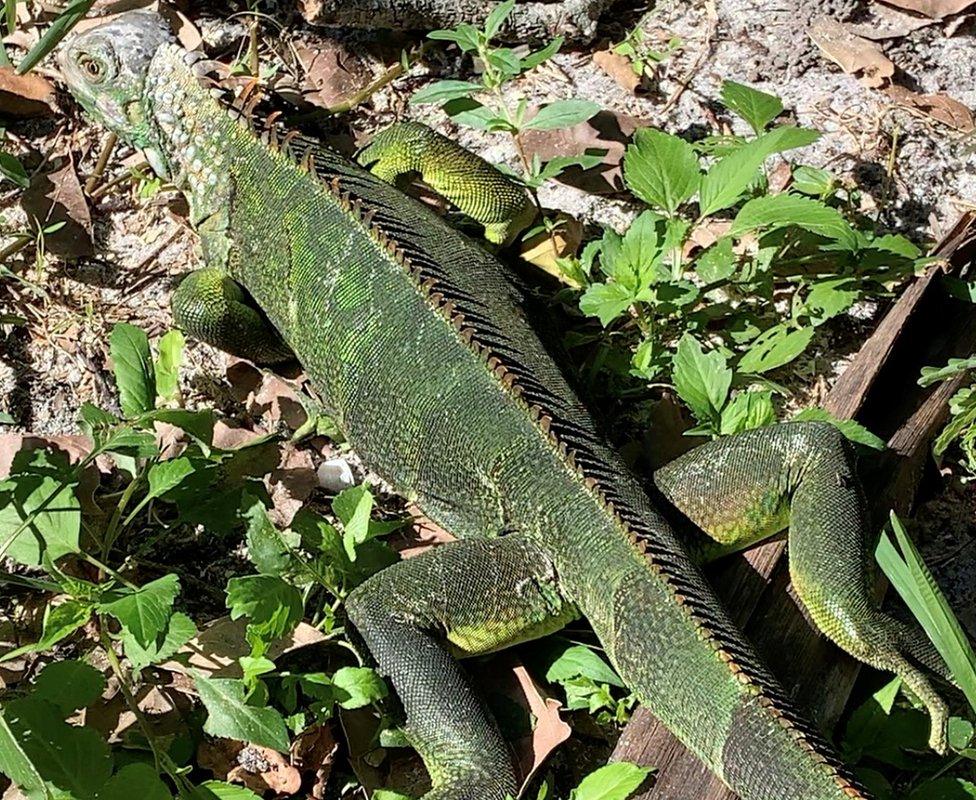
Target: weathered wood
(925,326)
(530,21)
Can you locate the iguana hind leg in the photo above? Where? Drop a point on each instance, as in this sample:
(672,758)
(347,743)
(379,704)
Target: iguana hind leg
(460,599)
(476,187)
(209,305)
(742,488)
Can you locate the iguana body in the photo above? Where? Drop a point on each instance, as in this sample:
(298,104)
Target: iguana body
(415,337)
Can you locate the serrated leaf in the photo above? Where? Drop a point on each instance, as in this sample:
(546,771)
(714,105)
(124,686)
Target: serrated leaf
(166,475)
(562,114)
(813,181)
(49,502)
(168,365)
(135,780)
(775,348)
(229,716)
(16,764)
(830,297)
(701,379)
(661,169)
(755,107)
(273,608)
(59,622)
(269,549)
(362,686)
(607,301)
(73,759)
(464,36)
(944,789)
(353,506)
(133,367)
(613,782)
(774,211)
(199,424)
(443,91)
(179,631)
(69,685)
(144,612)
(746,411)
(728,179)
(12,170)
(718,262)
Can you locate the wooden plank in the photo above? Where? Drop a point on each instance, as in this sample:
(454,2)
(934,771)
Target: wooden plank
(925,326)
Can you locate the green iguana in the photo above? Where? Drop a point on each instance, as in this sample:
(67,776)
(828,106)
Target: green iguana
(417,339)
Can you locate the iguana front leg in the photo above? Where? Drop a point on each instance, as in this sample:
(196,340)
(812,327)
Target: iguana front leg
(476,187)
(460,599)
(209,305)
(741,488)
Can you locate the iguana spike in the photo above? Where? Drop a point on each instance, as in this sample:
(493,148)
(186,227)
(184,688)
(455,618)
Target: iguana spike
(545,422)
(436,298)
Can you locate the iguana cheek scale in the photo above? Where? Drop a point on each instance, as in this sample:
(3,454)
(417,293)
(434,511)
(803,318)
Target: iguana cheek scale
(416,338)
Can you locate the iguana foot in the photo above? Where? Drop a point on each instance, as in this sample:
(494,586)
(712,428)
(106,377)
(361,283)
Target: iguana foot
(476,187)
(464,598)
(211,306)
(740,489)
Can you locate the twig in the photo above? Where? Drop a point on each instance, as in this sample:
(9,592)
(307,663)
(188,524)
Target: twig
(110,141)
(683,84)
(125,176)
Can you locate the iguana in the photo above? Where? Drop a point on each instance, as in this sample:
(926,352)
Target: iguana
(417,339)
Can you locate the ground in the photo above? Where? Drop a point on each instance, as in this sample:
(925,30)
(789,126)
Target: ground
(915,173)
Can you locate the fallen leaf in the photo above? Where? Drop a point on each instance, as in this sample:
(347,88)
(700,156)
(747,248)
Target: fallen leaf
(266,395)
(261,768)
(852,53)
(416,539)
(617,67)
(219,756)
(884,22)
(215,649)
(546,247)
(186,32)
(228,437)
(27,95)
(603,132)
(939,106)
(506,675)
(780,177)
(290,484)
(332,73)
(935,9)
(313,752)
(56,197)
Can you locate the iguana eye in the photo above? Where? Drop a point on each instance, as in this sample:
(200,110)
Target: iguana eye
(93,68)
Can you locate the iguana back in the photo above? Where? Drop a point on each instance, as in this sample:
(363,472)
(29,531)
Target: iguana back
(417,341)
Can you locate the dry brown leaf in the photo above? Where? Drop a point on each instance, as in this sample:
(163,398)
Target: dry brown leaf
(228,437)
(290,484)
(314,752)
(508,676)
(604,132)
(27,95)
(186,32)
(416,539)
(333,73)
(935,9)
(261,769)
(938,106)
(617,67)
(215,649)
(884,22)
(545,248)
(56,197)
(852,53)
(266,395)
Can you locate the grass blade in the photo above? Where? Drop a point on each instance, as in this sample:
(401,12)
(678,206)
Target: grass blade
(914,582)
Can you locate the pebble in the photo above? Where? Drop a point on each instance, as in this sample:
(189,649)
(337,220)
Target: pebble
(335,475)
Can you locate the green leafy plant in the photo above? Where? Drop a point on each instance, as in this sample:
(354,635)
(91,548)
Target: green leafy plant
(483,105)
(645,56)
(960,432)
(50,523)
(719,282)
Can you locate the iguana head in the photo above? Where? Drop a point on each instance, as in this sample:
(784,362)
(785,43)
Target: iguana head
(107,70)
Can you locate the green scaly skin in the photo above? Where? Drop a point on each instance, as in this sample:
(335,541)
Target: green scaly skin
(416,338)
(476,187)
